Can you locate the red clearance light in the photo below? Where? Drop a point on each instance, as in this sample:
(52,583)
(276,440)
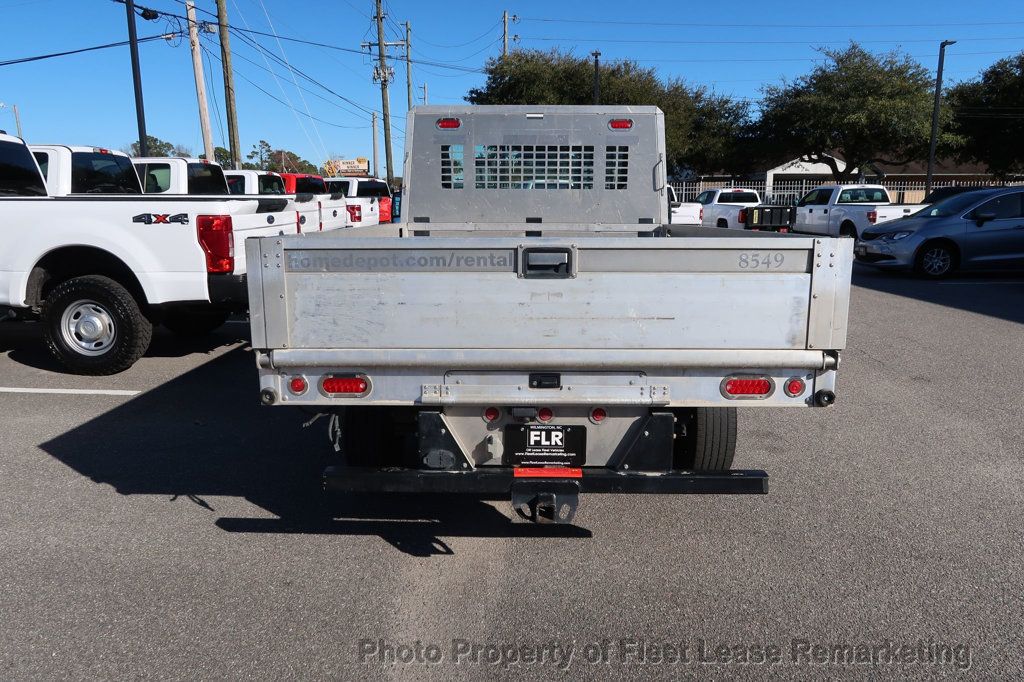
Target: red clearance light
(620,123)
(297,385)
(218,242)
(547,472)
(545,414)
(795,387)
(449,123)
(747,387)
(491,414)
(340,385)
(598,415)
(298,222)
(355,213)
(743,216)
(872,216)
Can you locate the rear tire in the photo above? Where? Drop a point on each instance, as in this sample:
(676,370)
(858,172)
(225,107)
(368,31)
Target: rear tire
(194,323)
(93,326)
(710,441)
(848,230)
(723,223)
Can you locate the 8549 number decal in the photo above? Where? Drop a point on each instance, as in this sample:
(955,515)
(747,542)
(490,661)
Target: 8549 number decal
(761,260)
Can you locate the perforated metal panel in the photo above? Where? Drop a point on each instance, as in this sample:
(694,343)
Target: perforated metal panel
(548,164)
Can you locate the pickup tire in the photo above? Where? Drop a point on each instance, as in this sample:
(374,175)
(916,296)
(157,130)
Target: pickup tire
(709,443)
(848,229)
(722,222)
(193,322)
(93,326)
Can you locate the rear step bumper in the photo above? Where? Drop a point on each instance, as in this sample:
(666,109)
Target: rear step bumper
(501,480)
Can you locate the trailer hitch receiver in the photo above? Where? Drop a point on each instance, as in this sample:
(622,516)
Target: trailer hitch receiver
(546,501)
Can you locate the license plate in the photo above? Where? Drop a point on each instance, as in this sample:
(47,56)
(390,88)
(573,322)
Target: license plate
(542,444)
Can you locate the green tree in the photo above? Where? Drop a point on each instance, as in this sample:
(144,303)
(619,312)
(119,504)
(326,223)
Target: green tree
(700,127)
(220,155)
(989,114)
(863,107)
(157,147)
(259,155)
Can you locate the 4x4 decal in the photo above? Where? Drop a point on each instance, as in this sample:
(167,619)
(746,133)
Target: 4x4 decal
(161,218)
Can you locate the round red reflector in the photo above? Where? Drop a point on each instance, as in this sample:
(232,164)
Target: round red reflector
(748,386)
(297,385)
(352,385)
(620,123)
(598,415)
(491,414)
(545,414)
(448,123)
(795,387)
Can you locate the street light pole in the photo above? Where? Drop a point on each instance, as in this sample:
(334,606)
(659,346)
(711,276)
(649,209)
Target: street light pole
(935,115)
(140,110)
(17,118)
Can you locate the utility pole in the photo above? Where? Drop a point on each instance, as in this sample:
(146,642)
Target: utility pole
(935,115)
(197,71)
(229,85)
(383,73)
(504,34)
(597,76)
(375,145)
(408,61)
(140,109)
(424,86)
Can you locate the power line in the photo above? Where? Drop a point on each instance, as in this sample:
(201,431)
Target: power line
(478,38)
(122,43)
(759,42)
(760,26)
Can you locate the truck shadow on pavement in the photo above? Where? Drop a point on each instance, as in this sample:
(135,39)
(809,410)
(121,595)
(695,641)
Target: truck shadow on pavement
(23,342)
(993,294)
(203,434)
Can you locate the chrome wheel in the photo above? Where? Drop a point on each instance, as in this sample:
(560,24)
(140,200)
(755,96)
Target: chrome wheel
(936,261)
(88,328)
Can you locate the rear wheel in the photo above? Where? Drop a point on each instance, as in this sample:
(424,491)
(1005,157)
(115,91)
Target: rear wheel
(936,260)
(848,229)
(94,326)
(194,322)
(706,439)
(723,223)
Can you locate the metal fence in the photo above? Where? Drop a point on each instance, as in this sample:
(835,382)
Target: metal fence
(788,192)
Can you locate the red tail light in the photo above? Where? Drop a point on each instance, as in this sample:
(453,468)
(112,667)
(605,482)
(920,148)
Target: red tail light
(701,219)
(355,213)
(298,222)
(743,216)
(448,123)
(872,216)
(218,242)
(620,123)
(297,385)
(345,385)
(795,387)
(747,387)
(320,212)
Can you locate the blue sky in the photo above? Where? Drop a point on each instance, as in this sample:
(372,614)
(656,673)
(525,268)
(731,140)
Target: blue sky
(735,49)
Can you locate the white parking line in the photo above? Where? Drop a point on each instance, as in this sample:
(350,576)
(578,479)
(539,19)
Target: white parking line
(68,391)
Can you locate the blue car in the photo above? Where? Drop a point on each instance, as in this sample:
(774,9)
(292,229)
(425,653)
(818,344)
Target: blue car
(980,230)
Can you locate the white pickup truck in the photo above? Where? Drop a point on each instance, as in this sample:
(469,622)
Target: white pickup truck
(847,210)
(725,207)
(305,207)
(99,262)
(517,337)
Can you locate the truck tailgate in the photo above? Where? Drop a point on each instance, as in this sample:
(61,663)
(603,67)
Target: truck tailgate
(457,297)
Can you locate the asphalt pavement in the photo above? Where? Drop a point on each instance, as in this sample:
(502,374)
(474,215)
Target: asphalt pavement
(172,528)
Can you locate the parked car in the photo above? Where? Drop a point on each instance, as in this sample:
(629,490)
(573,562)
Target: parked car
(722,207)
(683,213)
(334,211)
(99,268)
(304,206)
(180,175)
(366,188)
(847,210)
(977,230)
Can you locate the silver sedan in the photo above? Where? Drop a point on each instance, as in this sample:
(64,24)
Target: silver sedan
(982,230)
